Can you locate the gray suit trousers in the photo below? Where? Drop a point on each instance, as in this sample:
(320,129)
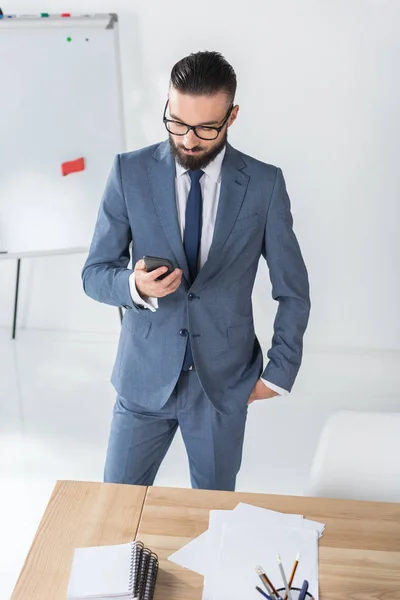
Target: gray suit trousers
(140,438)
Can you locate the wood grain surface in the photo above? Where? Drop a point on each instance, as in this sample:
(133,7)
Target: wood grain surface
(78,514)
(359,553)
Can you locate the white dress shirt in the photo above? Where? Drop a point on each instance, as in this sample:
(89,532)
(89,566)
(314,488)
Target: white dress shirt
(210,184)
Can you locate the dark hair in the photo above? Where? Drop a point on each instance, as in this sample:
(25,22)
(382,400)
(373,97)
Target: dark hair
(204,73)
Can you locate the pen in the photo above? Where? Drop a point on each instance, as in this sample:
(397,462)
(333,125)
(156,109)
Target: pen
(303,591)
(285,583)
(263,593)
(292,574)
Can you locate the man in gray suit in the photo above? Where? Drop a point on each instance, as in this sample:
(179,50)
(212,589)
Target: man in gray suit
(188,355)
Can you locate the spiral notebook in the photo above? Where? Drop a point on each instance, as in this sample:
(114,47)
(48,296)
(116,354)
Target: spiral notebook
(126,571)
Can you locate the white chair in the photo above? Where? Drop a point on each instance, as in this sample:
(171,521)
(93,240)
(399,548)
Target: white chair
(358,457)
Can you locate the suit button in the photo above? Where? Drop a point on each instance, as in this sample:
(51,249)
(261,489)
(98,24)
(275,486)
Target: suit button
(192,296)
(183,332)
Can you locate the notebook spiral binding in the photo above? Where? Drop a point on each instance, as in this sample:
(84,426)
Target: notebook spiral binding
(150,581)
(144,565)
(136,557)
(143,572)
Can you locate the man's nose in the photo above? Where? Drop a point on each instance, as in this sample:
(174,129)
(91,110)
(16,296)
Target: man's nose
(190,140)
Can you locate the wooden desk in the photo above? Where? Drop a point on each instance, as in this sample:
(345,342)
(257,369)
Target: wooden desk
(359,552)
(78,514)
(359,556)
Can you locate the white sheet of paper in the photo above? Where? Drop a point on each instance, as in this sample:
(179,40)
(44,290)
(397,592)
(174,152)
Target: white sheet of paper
(196,554)
(201,554)
(218,519)
(193,556)
(315,525)
(253,514)
(245,515)
(242,549)
(251,517)
(100,571)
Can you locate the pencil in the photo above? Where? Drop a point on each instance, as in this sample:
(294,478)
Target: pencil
(269,586)
(285,583)
(292,574)
(264,579)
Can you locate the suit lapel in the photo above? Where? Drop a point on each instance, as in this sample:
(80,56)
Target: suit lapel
(161,173)
(233,190)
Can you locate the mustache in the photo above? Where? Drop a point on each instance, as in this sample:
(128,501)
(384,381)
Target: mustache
(195,149)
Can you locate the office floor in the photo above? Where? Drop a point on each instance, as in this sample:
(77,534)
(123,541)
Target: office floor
(55,411)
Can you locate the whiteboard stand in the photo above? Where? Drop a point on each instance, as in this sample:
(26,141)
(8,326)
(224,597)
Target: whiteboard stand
(16,299)
(20,255)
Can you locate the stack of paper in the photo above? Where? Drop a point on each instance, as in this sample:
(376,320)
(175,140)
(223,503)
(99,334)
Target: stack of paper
(125,572)
(239,540)
(101,572)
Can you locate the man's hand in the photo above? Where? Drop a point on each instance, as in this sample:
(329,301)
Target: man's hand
(261,392)
(147,285)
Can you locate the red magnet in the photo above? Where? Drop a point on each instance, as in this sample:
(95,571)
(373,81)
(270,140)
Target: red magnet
(73,166)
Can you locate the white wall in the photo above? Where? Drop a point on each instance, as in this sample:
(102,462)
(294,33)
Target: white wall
(319,97)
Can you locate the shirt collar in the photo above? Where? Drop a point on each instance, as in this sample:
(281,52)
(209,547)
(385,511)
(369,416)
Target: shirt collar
(213,170)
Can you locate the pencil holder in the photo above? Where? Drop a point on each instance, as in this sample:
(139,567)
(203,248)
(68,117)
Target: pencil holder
(295,592)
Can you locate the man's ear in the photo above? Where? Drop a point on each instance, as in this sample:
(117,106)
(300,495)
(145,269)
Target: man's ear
(234,115)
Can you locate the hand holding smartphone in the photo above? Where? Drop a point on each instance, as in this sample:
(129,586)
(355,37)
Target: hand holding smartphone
(154,262)
(156,277)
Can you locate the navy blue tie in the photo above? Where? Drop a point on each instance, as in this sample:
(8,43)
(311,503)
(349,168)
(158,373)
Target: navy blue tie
(192,239)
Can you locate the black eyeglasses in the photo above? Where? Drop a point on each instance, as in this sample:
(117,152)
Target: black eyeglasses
(202,131)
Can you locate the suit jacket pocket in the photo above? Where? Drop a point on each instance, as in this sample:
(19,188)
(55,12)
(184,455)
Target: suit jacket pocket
(246,223)
(245,213)
(137,324)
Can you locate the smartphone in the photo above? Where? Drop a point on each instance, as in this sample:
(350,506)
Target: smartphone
(154,262)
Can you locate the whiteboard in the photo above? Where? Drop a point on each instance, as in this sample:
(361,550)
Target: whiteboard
(60,100)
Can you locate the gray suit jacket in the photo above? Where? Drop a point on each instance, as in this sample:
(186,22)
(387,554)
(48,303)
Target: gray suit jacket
(253,220)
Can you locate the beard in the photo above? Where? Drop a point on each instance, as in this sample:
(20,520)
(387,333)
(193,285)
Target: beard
(193,162)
